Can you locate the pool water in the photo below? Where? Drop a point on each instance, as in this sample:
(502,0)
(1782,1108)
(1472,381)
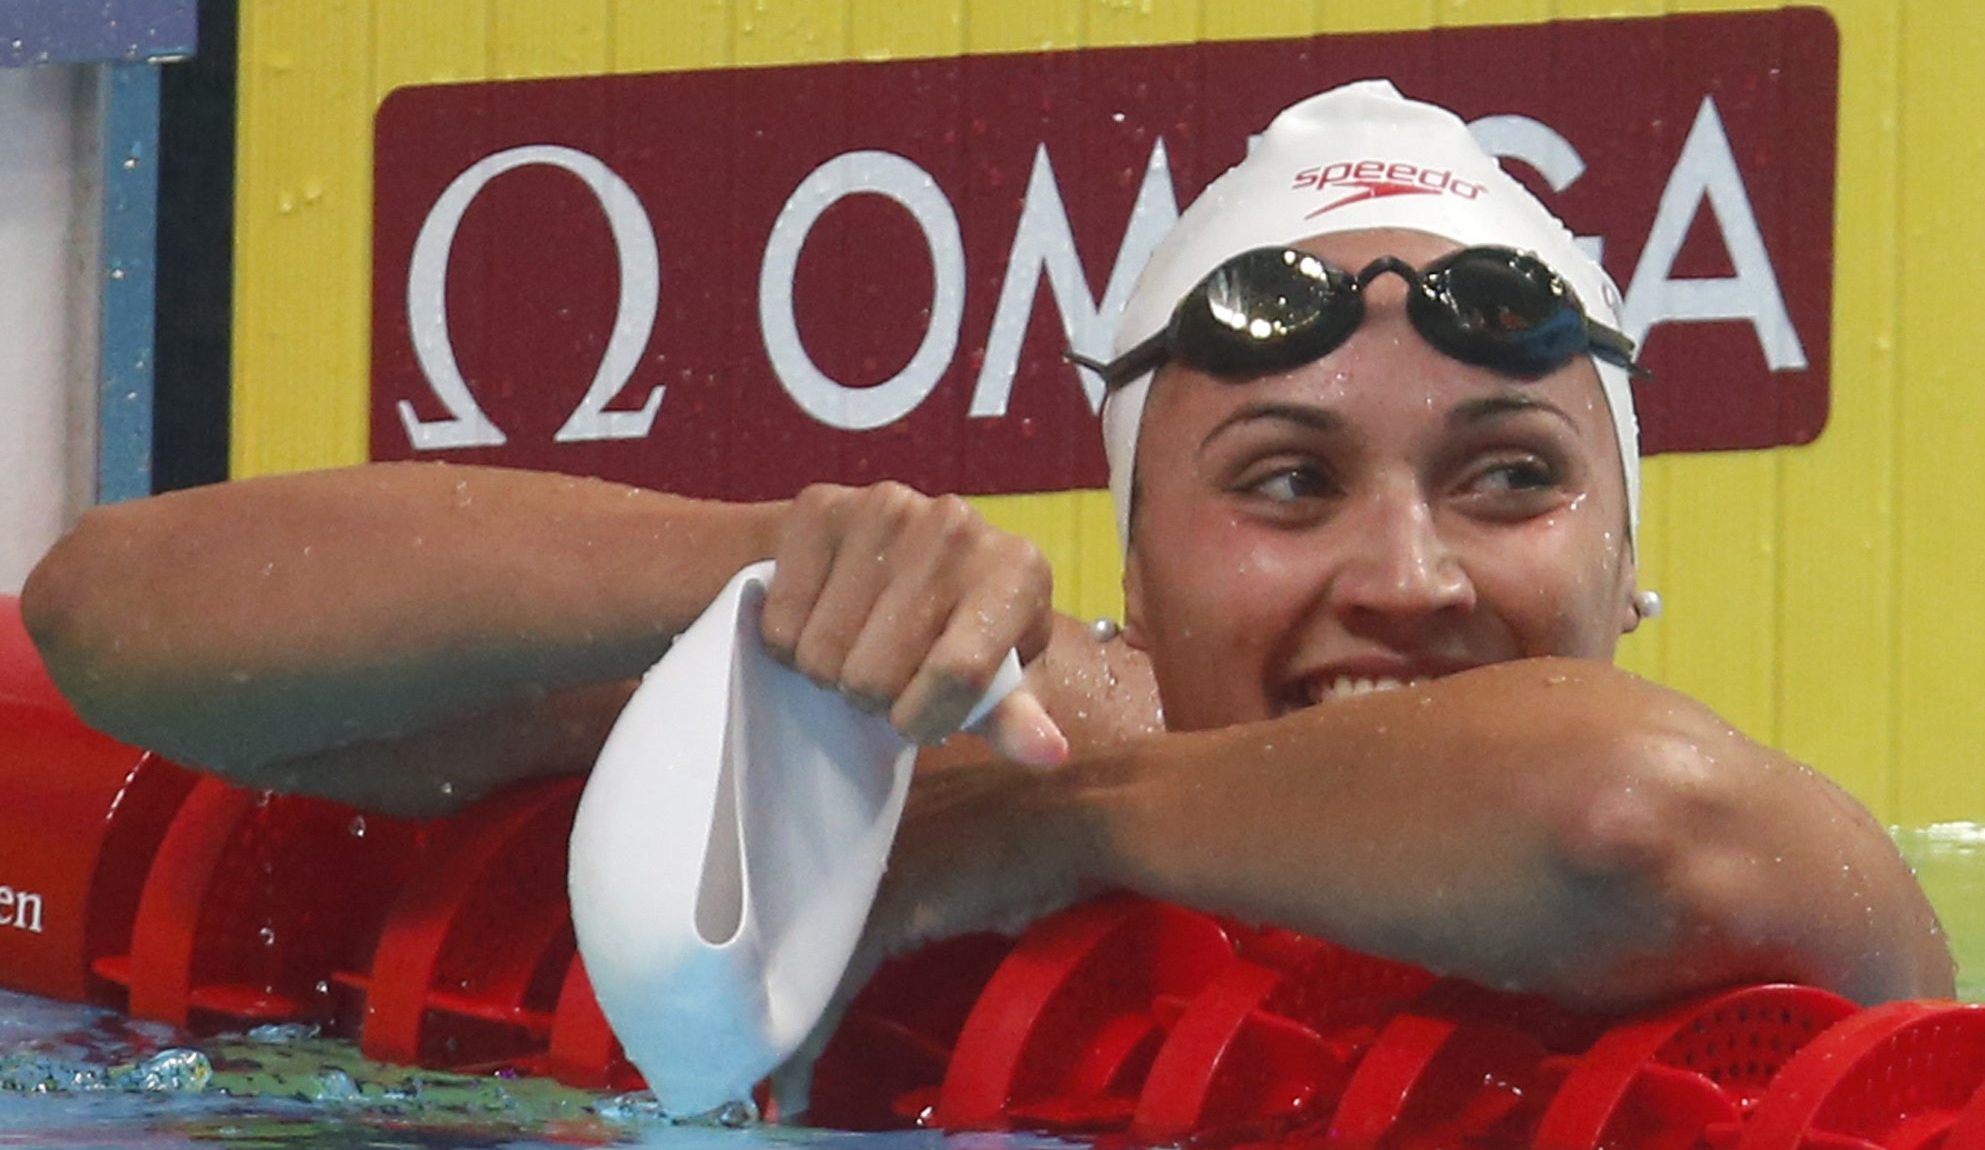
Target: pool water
(1950,862)
(75,1076)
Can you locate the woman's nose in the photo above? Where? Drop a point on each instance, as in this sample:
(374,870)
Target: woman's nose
(1394,564)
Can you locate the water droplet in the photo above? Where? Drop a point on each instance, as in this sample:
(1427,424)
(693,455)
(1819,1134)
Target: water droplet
(335,1084)
(736,1115)
(280,1033)
(177,1070)
(358,826)
(636,1106)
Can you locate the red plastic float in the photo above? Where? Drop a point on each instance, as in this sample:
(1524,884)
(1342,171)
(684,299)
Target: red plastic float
(1121,1017)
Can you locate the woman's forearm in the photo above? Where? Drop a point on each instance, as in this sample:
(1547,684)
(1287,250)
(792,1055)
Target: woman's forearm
(265,621)
(1553,827)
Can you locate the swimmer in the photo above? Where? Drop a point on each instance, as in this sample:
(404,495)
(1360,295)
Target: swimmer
(1363,687)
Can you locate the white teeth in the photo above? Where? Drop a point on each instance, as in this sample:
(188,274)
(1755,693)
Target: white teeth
(1344,686)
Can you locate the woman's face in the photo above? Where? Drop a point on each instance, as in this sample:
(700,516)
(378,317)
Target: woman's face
(1382,515)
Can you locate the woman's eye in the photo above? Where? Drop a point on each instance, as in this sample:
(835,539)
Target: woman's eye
(1516,475)
(1290,484)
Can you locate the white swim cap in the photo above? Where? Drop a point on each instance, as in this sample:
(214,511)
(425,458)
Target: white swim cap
(1357,157)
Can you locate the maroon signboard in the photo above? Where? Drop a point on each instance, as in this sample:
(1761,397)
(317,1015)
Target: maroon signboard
(736,282)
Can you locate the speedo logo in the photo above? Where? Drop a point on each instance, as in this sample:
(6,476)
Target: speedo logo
(1355,181)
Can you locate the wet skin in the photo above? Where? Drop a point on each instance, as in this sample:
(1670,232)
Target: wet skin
(1385,512)
(1382,513)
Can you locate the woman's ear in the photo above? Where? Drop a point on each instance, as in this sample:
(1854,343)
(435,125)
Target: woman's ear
(1133,602)
(1631,598)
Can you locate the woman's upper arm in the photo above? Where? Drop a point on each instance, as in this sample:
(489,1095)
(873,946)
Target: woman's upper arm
(1755,866)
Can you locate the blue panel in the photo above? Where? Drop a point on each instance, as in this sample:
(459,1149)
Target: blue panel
(84,31)
(129,98)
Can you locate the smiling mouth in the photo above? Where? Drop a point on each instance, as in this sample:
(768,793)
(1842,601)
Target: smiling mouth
(1329,687)
(1349,686)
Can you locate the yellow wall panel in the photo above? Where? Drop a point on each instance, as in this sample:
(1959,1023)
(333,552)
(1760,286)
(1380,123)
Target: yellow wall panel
(651,37)
(1133,22)
(428,42)
(304,210)
(878,30)
(1470,13)
(1608,9)
(529,38)
(1820,596)
(1837,641)
(1940,464)
(1272,18)
(1719,626)
(1022,25)
(1361,16)
(791,32)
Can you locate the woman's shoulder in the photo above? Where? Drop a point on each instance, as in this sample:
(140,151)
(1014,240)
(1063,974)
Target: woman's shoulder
(1099,688)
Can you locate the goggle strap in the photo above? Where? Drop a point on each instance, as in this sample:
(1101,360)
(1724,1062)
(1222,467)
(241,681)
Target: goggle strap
(1612,346)
(1145,357)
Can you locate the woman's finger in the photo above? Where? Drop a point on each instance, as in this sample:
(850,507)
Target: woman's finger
(928,566)
(846,602)
(1021,730)
(808,541)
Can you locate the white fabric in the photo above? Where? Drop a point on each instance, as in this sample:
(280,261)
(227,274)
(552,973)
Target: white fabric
(1274,196)
(726,852)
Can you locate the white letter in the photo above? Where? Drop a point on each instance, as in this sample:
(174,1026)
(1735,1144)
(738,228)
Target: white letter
(427,307)
(884,174)
(1547,153)
(1707,170)
(29,917)
(6,906)
(1044,243)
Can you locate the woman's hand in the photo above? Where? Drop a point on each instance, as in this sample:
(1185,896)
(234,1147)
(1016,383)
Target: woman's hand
(907,604)
(983,846)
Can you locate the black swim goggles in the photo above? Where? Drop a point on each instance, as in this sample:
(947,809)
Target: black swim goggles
(1271,309)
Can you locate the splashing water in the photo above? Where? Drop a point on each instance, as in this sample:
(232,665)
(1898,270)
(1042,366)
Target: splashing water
(80,1076)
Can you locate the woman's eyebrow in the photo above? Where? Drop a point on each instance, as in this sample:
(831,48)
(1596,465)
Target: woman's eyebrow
(1493,407)
(1304,415)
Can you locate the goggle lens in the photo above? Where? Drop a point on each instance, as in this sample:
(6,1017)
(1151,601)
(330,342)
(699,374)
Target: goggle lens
(1272,309)
(1265,310)
(1501,309)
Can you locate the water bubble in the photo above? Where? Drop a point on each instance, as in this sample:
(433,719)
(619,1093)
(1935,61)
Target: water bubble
(279,1033)
(334,1084)
(635,1106)
(175,1071)
(736,1115)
